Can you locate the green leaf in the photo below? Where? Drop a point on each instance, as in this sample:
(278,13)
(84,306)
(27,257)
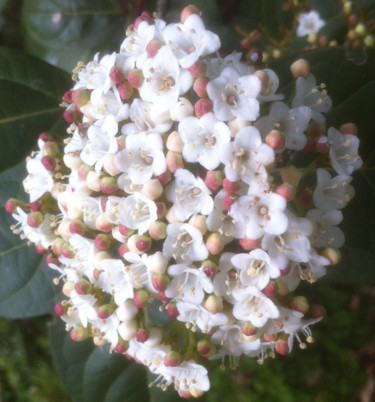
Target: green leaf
(31,91)
(26,288)
(92,374)
(64,32)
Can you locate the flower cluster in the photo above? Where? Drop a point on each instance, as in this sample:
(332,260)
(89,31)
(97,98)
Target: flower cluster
(188,184)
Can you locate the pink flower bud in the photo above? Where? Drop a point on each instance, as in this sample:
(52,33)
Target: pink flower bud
(199,221)
(106,310)
(12,204)
(123,249)
(116,75)
(275,140)
(172,310)
(215,243)
(174,161)
(108,185)
(286,191)
(172,359)
(203,106)
(349,128)
(188,11)
(143,244)
(300,68)
(271,289)
(93,180)
(300,303)
(121,347)
(67,97)
(153,47)
(214,304)
(160,282)
(70,116)
(214,179)
(228,201)
(125,90)
(198,69)
(145,16)
(140,298)
(35,219)
(102,224)
(142,335)
(317,311)
(161,209)
(200,86)
(248,329)
(48,162)
(104,242)
(210,268)
(80,97)
(157,263)
(152,189)
(135,78)
(78,227)
(83,287)
(269,337)
(281,346)
(40,249)
(50,148)
(249,244)
(125,231)
(206,348)
(158,230)
(79,334)
(165,178)
(61,309)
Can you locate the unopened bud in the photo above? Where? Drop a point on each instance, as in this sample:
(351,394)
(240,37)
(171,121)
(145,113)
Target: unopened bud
(174,161)
(108,185)
(206,348)
(286,191)
(79,334)
(174,142)
(248,329)
(61,309)
(78,227)
(200,86)
(83,287)
(153,47)
(104,242)
(271,289)
(202,107)
(12,204)
(249,244)
(160,282)
(106,310)
(183,108)
(332,254)
(215,243)
(142,335)
(93,180)
(135,78)
(300,68)
(152,189)
(125,90)
(121,347)
(158,230)
(128,329)
(214,179)
(35,219)
(231,187)
(214,304)
(67,288)
(116,75)
(300,303)
(199,221)
(172,310)
(281,346)
(198,69)
(188,11)
(349,128)
(210,268)
(172,359)
(143,244)
(275,140)
(317,311)
(140,298)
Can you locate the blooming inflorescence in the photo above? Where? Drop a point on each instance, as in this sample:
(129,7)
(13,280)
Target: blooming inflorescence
(188,184)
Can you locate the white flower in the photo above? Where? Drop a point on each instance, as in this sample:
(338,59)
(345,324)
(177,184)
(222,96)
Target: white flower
(138,212)
(313,96)
(164,82)
(190,40)
(137,271)
(331,193)
(326,233)
(39,180)
(291,123)
(84,304)
(255,268)
(203,139)
(188,376)
(142,158)
(189,195)
(246,157)
(101,141)
(344,152)
(252,305)
(234,96)
(262,213)
(216,65)
(184,243)
(227,278)
(309,23)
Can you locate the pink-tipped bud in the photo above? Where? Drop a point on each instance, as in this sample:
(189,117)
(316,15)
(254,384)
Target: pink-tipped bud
(285,271)
(121,347)
(125,90)
(142,335)
(123,249)
(83,171)
(317,311)
(270,337)
(174,161)
(275,140)
(210,268)
(271,289)
(140,298)
(80,97)
(116,75)
(281,346)
(286,191)
(349,128)
(200,86)
(83,287)
(50,148)
(231,187)
(35,219)
(205,347)
(61,309)
(174,142)
(322,145)
(300,303)
(78,227)
(198,69)
(67,97)
(143,244)
(249,244)
(68,288)
(172,359)
(229,200)
(248,329)
(214,304)
(153,47)
(215,243)
(102,224)
(300,68)
(125,231)
(161,209)
(203,106)
(79,334)
(163,297)
(37,206)
(188,11)
(103,242)
(40,249)
(70,116)
(152,189)
(158,230)
(108,185)
(135,78)
(106,310)
(145,16)
(214,179)
(12,204)
(172,310)
(165,178)
(48,162)
(160,282)
(332,254)
(199,221)
(51,259)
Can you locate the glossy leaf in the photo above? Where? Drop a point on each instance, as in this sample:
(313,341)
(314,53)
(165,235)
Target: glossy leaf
(64,32)
(26,287)
(92,374)
(31,92)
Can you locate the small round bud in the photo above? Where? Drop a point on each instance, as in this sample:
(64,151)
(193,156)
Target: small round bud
(349,128)
(206,348)
(172,359)
(125,90)
(116,75)
(215,243)
(214,179)
(79,334)
(199,221)
(135,78)
(140,298)
(61,309)
(102,224)
(143,244)
(174,142)
(142,335)
(332,254)
(172,310)
(106,310)
(317,311)
(160,282)
(210,268)
(203,106)
(158,230)
(282,347)
(286,191)
(271,289)
(214,304)
(153,47)
(104,242)
(35,219)
(300,303)
(198,69)
(275,140)
(231,187)
(188,11)
(249,244)
(174,161)
(200,86)
(108,185)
